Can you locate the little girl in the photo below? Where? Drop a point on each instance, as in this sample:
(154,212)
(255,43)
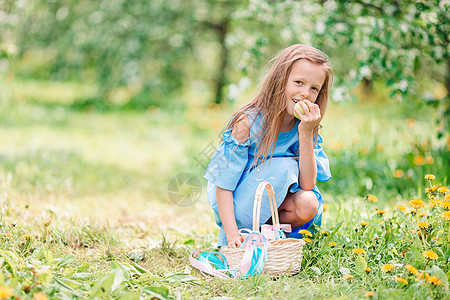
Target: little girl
(264,141)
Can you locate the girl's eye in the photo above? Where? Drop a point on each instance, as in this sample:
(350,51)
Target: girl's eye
(315,89)
(298,82)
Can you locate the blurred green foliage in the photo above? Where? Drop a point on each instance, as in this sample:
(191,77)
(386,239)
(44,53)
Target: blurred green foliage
(55,149)
(143,53)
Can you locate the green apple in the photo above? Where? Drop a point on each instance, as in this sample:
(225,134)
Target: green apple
(299,107)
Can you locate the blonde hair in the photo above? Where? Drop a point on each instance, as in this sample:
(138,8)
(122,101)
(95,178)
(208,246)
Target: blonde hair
(271,99)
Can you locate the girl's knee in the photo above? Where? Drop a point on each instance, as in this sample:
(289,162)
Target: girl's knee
(312,202)
(306,205)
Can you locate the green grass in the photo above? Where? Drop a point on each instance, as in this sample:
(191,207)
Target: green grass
(83,196)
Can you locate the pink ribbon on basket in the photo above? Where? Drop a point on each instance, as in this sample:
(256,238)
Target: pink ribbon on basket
(255,255)
(246,259)
(269,230)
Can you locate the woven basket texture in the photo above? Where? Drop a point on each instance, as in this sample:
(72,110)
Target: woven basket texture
(284,257)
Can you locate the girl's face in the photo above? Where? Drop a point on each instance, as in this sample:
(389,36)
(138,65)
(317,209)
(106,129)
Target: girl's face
(304,83)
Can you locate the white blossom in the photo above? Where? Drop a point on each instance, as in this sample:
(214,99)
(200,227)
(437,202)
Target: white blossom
(365,71)
(403,85)
(320,27)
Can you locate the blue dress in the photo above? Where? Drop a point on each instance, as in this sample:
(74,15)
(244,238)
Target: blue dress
(231,169)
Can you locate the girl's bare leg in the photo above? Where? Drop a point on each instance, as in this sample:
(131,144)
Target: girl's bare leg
(298,208)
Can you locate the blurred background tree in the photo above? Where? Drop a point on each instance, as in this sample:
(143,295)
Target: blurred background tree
(142,53)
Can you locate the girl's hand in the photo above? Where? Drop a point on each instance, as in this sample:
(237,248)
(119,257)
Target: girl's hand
(311,118)
(235,241)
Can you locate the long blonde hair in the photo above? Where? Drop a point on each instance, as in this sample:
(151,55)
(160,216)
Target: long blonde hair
(271,99)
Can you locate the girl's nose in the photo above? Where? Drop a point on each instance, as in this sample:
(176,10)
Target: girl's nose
(304,94)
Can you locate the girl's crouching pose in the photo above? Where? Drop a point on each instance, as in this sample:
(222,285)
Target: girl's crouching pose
(265,141)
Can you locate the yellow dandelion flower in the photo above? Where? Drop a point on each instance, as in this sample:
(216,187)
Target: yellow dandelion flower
(422,214)
(325,207)
(419,275)
(40,296)
(307,240)
(5,292)
(364,223)
(380,212)
(446,216)
(443,189)
(305,232)
(434,203)
(435,239)
(332,244)
(372,198)
(429,160)
(401,208)
(419,160)
(430,254)
(349,276)
(369,294)
(402,280)
(380,148)
(430,177)
(447,197)
(7,235)
(434,280)
(424,224)
(416,203)
(367,269)
(412,269)
(445,204)
(410,123)
(358,251)
(434,188)
(337,145)
(27,237)
(427,277)
(387,267)
(398,174)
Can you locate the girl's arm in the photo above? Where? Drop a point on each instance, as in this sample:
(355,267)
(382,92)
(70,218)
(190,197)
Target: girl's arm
(226,211)
(307,162)
(225,204)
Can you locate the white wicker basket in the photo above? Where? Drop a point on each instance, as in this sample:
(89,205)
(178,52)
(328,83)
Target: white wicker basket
(284,256)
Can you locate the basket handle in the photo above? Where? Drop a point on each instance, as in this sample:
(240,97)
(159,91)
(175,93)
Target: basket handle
(265,185)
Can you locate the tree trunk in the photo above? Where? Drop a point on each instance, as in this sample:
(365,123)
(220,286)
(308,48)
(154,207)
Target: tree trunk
(222,30)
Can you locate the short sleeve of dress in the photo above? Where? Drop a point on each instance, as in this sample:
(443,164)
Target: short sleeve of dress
(323,165)
(228,162)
